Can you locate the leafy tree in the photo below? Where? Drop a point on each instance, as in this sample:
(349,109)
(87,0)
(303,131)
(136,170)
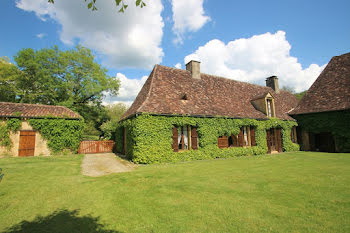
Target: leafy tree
(288,88)
(70,78)
(114,112)
(300,94)
(9,73)
(92,4)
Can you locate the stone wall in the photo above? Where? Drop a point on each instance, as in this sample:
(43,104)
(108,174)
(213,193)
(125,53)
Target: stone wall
(40,143)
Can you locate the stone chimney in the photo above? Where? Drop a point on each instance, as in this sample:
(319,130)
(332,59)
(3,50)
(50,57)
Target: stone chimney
(194,68)
(273,83)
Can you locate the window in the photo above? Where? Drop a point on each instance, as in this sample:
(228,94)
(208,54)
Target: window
(246,137)
(269,107)
(184,138)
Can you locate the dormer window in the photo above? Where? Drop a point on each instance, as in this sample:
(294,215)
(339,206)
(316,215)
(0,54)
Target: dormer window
(264,103)
(269,107)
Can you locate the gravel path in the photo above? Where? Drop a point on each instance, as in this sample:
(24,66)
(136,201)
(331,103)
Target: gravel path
(104,164)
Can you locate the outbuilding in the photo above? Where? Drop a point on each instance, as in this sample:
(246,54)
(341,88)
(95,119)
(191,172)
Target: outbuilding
(18,136)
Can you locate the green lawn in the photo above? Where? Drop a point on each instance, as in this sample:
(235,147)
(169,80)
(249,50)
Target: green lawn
(290,192)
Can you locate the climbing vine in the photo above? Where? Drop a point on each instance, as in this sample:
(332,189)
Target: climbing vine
(60,133)
(336,122)
(12,124)
(149,137)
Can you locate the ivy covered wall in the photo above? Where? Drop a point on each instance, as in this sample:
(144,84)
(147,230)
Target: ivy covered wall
(60,133)
(338,123)
(149,137)
(7,126)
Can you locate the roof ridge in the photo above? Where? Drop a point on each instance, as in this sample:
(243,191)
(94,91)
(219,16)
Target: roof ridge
(44,105)
(217,76)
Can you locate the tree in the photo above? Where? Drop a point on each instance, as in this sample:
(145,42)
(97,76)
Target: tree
(300,94)
(92,4)
(114,112)
(9,73)
(288,88)
(70,78)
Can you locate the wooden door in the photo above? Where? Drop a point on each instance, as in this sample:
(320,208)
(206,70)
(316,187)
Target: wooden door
(274,140)
(26,143)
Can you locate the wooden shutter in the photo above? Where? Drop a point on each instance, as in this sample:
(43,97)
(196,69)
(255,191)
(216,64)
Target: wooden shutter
(223,142)
(175,143)
(235,140)
(194,138)
(279,140)
(240,138)
(252,136)
(268,140)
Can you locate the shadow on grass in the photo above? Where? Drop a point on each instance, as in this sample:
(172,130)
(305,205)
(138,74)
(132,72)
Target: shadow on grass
(61,221)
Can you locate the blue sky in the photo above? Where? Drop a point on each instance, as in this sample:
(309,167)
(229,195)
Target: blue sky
(242,40)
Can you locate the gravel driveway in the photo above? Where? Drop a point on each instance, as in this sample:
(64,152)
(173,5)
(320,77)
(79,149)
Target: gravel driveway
(104,164)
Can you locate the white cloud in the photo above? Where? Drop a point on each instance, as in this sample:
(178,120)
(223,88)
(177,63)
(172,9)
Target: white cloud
(188,16)
(41,35)
(129,88)
(130,39)
(254,59)
(178,65)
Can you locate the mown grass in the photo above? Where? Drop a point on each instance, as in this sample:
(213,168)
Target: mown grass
(290,192)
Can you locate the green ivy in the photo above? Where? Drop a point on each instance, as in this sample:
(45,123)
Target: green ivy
(60,133)
(149,137)
(12,124)
(335,122)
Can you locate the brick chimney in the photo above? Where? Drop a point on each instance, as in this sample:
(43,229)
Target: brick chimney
(194,68)
(273,83)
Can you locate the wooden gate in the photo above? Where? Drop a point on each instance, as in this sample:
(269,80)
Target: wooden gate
(26,143)
(91,147)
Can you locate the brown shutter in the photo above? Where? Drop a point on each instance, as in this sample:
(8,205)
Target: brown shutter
(194,138)
(268,141)
(279,141)
(252,136)
(223,142)
(240,138)
(235,140)
(175,144)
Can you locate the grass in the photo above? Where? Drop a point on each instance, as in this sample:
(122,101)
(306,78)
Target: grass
(290,192)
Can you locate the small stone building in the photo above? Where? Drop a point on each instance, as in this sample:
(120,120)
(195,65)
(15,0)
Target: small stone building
(26,141)
(323,114)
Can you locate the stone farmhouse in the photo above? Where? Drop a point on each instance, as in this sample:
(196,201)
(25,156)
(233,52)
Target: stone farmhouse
(192,111)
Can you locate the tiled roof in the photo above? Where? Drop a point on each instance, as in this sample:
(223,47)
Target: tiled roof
(35,110)
(165,88)
(330,91)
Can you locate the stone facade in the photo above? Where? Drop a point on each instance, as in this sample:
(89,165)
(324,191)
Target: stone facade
(41,147)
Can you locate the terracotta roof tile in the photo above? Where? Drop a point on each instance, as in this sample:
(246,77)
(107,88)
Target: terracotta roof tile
(330,91)
(35,110)
(209,96)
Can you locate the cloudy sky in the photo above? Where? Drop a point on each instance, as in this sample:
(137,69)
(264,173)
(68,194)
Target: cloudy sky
(242,40)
